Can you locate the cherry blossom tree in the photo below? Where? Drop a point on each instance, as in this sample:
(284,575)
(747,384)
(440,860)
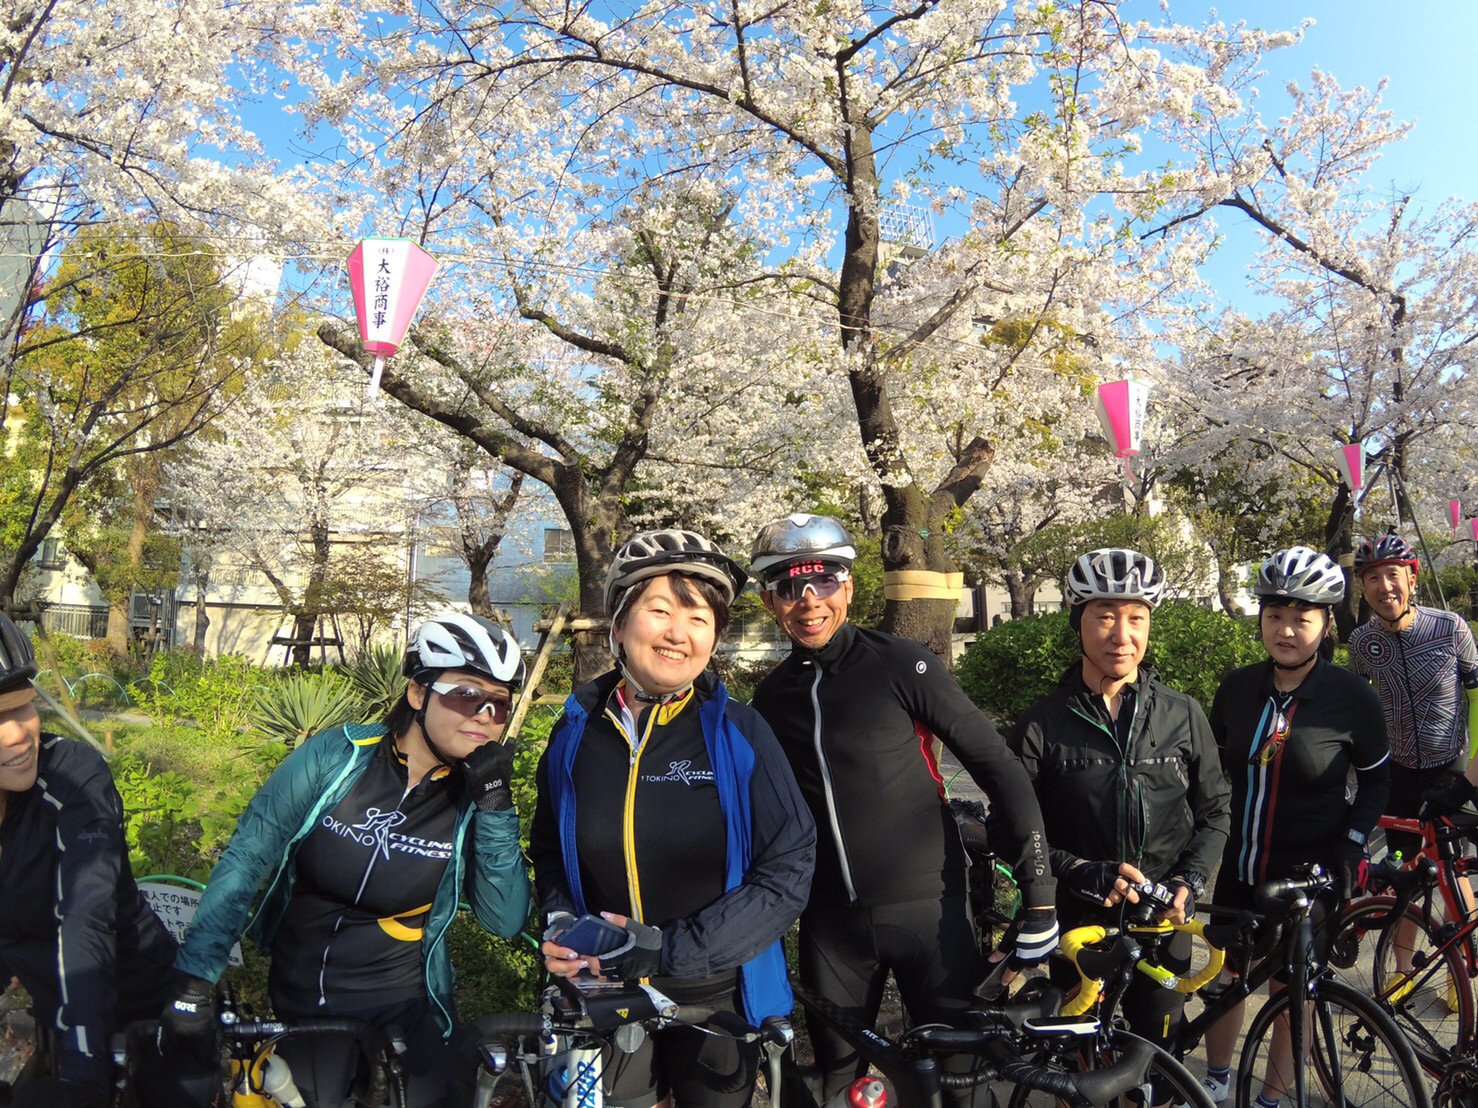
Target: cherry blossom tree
(527,130)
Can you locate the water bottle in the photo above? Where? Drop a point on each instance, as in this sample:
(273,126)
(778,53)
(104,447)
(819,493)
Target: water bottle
(865,1092)
(277,1082)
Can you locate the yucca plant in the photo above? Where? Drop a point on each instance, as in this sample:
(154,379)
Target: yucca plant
(304,704)
(375,672)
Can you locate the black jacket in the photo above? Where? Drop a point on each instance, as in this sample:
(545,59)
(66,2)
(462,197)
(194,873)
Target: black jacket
(1160,803)
(73,926)
(856,719)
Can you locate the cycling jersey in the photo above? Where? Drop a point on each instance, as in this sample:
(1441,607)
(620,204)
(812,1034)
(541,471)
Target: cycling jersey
(73,926)
(857,720)
(1146,788)
(486,864)
(366,876)
(1420,674)
(621,814)
(1288,758)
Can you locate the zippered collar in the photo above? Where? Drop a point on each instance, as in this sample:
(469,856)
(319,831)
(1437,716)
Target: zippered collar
(827,655)
(1307,689)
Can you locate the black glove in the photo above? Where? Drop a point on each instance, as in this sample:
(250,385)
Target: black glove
(53,1092)
(1194,887)
(1092,880)
(559,923)
(1446,799)
(486,774)
(1349,867)
(640,957)
(189,1020)
(1037,938)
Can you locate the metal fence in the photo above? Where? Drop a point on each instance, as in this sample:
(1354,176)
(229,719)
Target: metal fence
(83,621)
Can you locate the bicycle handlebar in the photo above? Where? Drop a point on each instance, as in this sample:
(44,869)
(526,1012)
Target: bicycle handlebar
(1084,1089)
(1095,966)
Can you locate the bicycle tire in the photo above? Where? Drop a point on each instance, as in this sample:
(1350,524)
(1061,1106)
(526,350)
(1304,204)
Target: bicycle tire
(1166,1073)
(1357,1056)
(1426,1014)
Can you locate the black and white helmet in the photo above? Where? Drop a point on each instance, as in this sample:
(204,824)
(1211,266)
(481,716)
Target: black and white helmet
(469,643)
(1300,573)
(654,553)
(1115,574)
(800,537)
(17,660)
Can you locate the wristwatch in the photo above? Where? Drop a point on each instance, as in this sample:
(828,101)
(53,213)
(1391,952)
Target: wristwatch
(1356,837)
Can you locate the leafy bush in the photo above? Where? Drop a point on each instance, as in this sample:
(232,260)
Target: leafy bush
(1015,663)
(302,704)
(159,820)
(215,694)
(375,674)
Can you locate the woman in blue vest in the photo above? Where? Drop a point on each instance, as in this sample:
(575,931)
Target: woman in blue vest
(668,809)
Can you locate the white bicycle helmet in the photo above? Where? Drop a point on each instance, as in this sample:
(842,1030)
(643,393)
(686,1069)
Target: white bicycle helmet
(1115,574)
(1300,573)
(472,644)
(653,553)
(800,537)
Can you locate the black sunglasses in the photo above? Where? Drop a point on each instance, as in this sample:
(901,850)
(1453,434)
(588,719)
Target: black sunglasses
(468,702)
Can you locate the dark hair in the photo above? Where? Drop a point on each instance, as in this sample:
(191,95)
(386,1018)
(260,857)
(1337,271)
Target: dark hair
(690,591)
(398,719)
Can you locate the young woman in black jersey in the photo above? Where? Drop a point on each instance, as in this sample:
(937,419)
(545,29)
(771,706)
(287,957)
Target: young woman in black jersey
(1291,729)
(669,810)
(364,840)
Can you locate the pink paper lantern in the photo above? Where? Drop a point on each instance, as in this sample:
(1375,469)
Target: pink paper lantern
(1121,408)
(1474,524)
(1351,462)
(389,277)
(1455,515)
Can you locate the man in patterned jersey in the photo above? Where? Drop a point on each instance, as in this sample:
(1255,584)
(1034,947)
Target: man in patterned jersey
(1423,663)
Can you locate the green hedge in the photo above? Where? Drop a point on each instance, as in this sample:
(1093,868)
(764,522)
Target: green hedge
(1191,648)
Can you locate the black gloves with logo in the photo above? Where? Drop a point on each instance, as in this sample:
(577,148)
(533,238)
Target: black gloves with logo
(486,774)
(189,1020)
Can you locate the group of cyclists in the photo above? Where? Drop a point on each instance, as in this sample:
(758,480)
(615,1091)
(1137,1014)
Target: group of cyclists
(696,830)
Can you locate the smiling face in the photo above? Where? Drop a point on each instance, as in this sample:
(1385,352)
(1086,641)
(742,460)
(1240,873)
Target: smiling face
(1387,589)
(665,642)
(1291,633)
(1115,636)
(812,620)
(20,739)
(454,734)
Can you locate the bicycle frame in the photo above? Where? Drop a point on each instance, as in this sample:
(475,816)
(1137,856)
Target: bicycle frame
(1439,843)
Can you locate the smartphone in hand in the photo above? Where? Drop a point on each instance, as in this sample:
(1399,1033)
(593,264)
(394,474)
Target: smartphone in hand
(593,936)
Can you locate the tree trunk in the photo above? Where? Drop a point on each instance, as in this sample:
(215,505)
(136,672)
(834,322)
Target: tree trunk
(478,598)
(1021,591)
(202,617)
(1339,544)
(1226,588)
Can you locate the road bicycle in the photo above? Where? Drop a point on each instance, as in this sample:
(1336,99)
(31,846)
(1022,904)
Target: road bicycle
(1433,1003)
(1358,1055)
(553,1056)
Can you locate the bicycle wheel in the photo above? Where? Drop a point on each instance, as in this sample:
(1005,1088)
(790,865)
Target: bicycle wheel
(1433,1005)
(1166,1076)
(1356,1056)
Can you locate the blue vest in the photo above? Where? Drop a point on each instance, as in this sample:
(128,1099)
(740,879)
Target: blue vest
(763,984)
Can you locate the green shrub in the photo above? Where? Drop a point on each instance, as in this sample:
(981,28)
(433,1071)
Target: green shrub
(375,674)
(160,821)
(294,707)
(1015,663)
(215,694)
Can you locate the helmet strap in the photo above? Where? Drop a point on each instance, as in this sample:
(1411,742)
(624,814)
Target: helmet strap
(424,679)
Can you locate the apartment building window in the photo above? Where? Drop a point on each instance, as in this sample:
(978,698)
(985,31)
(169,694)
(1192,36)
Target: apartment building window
(559,545)
(50,555)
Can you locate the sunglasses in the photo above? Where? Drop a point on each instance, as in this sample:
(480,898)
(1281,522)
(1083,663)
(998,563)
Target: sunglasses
(468,702)
(1266,754)
(791,589)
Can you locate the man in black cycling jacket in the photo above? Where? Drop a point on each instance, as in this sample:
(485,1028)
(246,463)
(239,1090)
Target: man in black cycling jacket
(1126,768)
(856,713)
(73,927)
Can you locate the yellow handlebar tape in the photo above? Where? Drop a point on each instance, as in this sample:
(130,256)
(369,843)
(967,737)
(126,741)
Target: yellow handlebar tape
(1090,989)
(922,584)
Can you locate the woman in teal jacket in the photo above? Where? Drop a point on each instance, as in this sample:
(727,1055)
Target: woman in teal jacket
(364,839)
